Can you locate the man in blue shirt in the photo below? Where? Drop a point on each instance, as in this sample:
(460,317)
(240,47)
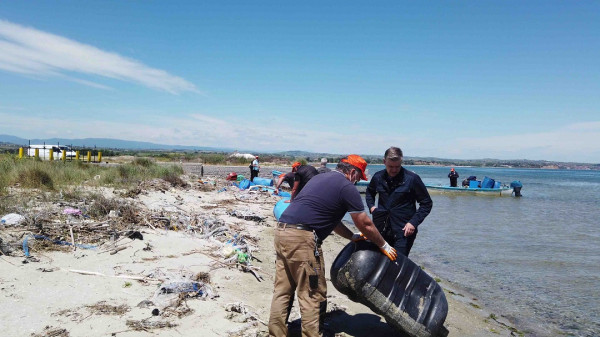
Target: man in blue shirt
(396,215)
(316,211)
(254,168)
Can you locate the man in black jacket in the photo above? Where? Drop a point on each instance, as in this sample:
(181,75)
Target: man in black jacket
(453,175)
(396,215)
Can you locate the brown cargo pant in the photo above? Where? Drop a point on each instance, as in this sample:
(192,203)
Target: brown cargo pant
(294,265)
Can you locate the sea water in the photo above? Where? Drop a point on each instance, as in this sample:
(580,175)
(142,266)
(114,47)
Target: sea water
(534,260)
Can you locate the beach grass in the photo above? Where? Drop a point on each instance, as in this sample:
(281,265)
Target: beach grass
(51,176)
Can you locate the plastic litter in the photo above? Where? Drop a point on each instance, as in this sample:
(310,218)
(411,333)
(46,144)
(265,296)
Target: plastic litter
(12,219)
(181,287)
(168,293)
(71,211)
(229,248)
(244,184)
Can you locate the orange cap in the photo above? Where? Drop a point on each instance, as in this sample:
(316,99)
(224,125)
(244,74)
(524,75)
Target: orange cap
(296,164)
(357,161)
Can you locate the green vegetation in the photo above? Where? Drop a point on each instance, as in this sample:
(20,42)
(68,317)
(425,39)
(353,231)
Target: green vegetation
(51,176)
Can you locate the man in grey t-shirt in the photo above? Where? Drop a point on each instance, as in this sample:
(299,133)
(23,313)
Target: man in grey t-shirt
(323,167)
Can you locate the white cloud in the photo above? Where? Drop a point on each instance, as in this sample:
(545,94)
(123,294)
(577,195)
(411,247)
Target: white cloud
(29,51)
(575,142)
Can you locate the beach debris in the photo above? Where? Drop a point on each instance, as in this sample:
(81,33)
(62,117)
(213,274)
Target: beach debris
(145,304)
(177,287)
(72,211)
(57,241)
(134,235)
(241,313)
(118,249)
(48,270)
(129,277)
(12,219)
(102,308)
(10,243)
(50,331)
(246,215)
(147,324)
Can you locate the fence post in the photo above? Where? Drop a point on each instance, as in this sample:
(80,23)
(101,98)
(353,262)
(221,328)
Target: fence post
(37,154)
(51,155)
(89,156)
(64,156)
(77,155)
(20,153)
(99,156)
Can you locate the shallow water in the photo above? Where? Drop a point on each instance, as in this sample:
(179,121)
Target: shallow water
(535,259)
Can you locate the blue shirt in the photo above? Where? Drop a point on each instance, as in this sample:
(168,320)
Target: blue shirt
(323,202)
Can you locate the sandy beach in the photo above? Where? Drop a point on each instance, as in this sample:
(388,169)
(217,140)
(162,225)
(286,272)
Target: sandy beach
(115,288)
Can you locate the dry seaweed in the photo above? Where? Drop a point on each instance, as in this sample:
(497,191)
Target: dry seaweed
(52,332)
(101,308)
(146,324)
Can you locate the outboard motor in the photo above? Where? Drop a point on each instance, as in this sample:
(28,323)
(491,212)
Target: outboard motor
(516,186)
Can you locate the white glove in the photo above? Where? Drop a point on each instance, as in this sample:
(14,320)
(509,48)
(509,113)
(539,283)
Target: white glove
(389,251)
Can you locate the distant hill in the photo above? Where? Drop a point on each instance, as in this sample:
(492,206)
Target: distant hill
(108,143)
(118,144)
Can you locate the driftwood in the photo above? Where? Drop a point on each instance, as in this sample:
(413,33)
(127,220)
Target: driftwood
(129,277)
(118,249)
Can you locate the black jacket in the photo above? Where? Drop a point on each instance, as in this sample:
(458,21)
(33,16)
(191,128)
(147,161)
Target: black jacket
(399,196)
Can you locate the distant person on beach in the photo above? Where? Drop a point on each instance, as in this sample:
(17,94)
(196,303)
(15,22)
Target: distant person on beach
(453,175)
(396,215)
(302,174)
(285,178)
(254,168)
(299,266)
(323,167)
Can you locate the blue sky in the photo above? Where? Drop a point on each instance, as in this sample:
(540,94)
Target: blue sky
(450,79)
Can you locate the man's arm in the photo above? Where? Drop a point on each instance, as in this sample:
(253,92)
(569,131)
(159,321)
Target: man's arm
(279,182)
(370,194)
(295,189)
(367,227)
(424,200)
(343,231)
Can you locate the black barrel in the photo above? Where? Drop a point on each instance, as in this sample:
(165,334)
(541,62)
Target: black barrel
(400,291)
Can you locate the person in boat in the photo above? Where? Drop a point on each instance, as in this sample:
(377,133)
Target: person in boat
(254,168)
(285,178)
(323,168)
(302,174)
(467,182)
(396,214)
(299,266)
(453,175)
